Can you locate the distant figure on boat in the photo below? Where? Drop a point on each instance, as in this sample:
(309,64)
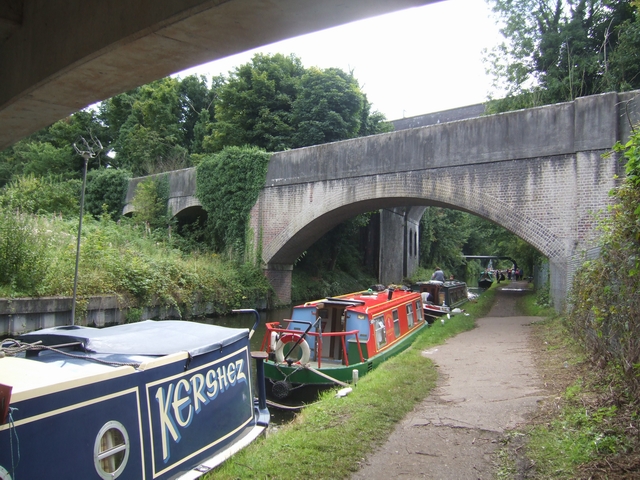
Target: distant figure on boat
(438,275)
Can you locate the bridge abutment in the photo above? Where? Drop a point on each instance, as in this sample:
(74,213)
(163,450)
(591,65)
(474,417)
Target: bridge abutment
(279,276)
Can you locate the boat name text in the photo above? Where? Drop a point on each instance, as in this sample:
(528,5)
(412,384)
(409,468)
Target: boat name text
(180,401)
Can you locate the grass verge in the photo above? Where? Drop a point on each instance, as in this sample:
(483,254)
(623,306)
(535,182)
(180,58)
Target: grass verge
(330,438)
(586,428)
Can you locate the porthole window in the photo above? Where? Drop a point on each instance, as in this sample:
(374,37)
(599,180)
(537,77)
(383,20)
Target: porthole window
(111,450)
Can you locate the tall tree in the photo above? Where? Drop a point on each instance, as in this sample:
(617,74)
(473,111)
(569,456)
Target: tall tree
(255,105)
(557,50)
(50,151)
(327,108)
(152,133)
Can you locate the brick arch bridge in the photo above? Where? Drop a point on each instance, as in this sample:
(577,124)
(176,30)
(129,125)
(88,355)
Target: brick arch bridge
(540,173)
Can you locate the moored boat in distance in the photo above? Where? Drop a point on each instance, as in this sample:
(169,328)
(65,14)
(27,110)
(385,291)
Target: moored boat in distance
(336,340)
(443,297)
(486,279)
(154,399)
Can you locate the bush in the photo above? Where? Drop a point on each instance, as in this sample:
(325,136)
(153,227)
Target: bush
(23,253)
(228,185)
(605,302)
(30,194)
(108,187)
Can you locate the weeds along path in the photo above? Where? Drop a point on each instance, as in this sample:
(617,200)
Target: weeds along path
(487,385)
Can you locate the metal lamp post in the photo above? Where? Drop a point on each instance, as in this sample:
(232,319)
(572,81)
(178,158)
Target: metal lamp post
(86,151)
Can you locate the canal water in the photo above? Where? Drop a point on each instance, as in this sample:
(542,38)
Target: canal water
(246,320)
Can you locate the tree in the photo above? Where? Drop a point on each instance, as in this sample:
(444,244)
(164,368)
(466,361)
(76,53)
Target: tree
(50,151)
(255,105)
(275,103)
(150,135)
(327,108)
(443,233)
(106,187)
(150,203)
(198,109)
(557,50)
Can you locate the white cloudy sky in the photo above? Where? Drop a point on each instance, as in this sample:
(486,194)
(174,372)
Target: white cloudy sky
(411,62)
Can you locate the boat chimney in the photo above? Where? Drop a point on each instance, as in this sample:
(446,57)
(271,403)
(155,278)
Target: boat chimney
(390,294)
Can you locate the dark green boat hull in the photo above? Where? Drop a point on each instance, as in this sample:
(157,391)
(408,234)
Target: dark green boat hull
(296,374)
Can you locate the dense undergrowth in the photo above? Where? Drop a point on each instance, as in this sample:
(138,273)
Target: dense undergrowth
(38,259)
(587,425)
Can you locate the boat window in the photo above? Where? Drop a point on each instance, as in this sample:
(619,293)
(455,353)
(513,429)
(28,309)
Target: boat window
(381,331)
(111,450)
(419,311)
(396,323)
(410,315)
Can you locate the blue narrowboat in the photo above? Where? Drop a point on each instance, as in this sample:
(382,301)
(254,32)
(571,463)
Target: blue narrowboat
(149,400)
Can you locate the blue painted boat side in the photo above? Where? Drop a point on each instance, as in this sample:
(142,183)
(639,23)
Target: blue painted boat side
(177,411)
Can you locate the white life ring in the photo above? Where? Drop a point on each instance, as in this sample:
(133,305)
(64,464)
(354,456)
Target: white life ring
(288,338)
(273,340)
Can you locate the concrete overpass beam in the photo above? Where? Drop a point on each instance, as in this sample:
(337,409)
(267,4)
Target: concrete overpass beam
(59,57)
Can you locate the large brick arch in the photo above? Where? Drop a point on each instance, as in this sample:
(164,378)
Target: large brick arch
(326,204)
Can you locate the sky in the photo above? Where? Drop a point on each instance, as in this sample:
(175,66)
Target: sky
(421,60)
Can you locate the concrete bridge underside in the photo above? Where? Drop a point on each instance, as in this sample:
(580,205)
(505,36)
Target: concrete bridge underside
(59,57)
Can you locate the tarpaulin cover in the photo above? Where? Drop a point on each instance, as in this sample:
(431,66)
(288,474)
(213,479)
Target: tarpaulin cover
(149,337)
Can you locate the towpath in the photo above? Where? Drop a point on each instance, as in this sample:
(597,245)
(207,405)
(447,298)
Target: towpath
(487,384)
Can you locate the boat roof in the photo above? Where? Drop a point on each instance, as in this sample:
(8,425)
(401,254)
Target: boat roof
(117,350)
(147,338)
(365,300)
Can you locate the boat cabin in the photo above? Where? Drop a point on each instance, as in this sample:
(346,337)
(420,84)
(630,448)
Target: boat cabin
(349,329)
(451,293)
(156,400)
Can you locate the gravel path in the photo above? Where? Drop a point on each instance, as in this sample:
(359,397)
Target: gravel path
(487,385)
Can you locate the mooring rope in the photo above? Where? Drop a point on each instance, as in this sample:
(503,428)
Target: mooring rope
(19,347)
(12,428)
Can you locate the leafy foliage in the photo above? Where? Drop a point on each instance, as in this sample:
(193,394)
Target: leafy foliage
(276,104)
(447,235)
(256,103)
(31,194)
(150,203)
(106,187)
(23,252)
(228,184)
(606,305)
(555,51)
(49,151)
(327,108)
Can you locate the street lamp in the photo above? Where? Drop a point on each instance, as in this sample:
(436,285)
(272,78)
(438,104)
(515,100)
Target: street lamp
(86,150)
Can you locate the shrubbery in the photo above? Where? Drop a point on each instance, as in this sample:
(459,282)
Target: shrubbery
(37,257)
(605,302)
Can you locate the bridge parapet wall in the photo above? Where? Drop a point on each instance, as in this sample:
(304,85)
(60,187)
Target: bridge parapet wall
(182,190)
(588,123)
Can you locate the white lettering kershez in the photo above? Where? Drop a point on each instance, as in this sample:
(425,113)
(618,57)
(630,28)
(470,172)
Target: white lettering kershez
(185,398)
